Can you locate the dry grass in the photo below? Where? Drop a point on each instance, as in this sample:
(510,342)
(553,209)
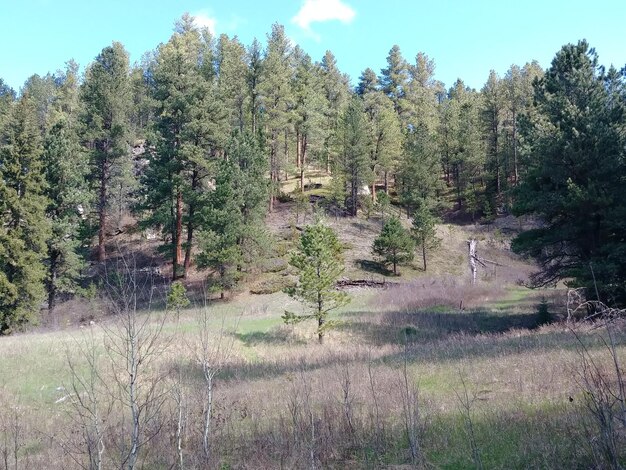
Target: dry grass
(282,401)
(449,259)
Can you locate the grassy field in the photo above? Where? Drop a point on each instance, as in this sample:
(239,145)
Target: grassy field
(428,372)
(479,387)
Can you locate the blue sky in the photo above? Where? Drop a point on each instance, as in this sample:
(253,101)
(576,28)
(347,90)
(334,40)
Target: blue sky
(465,38)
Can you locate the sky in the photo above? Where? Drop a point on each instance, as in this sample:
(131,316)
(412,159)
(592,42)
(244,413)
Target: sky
(466,39)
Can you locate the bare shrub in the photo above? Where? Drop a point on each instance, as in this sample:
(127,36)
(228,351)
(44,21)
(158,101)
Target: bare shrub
(90,404)
(411,411)
(466,405)
(376,420)
(600,377)
(12,435)
(211,352)
(427,293)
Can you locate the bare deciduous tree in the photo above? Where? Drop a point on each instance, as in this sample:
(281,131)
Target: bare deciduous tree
(466,404)
(411,415)
(603,386)
(211,351)
(89,400)
(12,435)
(133,344)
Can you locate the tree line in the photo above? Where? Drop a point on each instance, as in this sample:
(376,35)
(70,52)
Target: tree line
(196,138)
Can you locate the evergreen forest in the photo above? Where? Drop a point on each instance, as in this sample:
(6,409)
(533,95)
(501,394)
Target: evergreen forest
(230,255)
(193,142)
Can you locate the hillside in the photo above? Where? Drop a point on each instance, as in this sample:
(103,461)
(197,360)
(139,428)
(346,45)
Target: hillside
(229,256)
(483,383)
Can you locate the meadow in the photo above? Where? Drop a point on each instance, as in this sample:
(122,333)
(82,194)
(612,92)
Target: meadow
(404,380)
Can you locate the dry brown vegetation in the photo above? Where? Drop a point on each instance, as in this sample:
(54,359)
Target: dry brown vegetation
(427,372)
(407,378)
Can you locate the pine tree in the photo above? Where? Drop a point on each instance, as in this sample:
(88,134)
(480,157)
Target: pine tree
(42,93)
(143,105)
(422,94)
(424,227)
(232,71)
(277,96)
(518,92)
(368,82)
(7,96)
(66,168)
(574,181)
(384,137)
(336,95)
(460,140)
(23,225)
(254,77)
(319,264)
(491,114)
(251,183)
(394,80)
(419,181)
(394,244)
(232,217)
(223,223)
(106,120)
(308,107)
(190,129)
(353,166)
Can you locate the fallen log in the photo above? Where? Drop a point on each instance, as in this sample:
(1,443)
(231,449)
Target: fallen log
(343,283)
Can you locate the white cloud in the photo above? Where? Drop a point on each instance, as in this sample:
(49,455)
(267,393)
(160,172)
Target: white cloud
(317,11)
(203,20)
(234,24)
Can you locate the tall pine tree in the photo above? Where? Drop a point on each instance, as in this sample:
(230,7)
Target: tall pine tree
(190,129)
(106,120)
(277,97)
(353,165)
(24,228)
(574,181)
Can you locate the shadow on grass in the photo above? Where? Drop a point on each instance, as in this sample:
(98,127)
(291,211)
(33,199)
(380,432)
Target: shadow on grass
(443,337)
(532,438)
(425,343)
(272,337)
(250,370)
(374,267)
(429,326)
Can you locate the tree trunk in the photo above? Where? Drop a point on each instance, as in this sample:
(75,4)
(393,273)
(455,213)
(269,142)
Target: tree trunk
(424,253)
(472,258)
(320,316)
(206,445)
(273,172)
(189,244)
(302,160)
(515,173)
(52,286)
(102,215)
(190,225)
(286,153)
(240,115)
(253,109)
(320,332)
(178,240)
(298,150)
(133,399)
(496,156)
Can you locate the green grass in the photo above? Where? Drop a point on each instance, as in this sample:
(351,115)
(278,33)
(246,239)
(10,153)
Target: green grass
(515,297)
(523,418)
